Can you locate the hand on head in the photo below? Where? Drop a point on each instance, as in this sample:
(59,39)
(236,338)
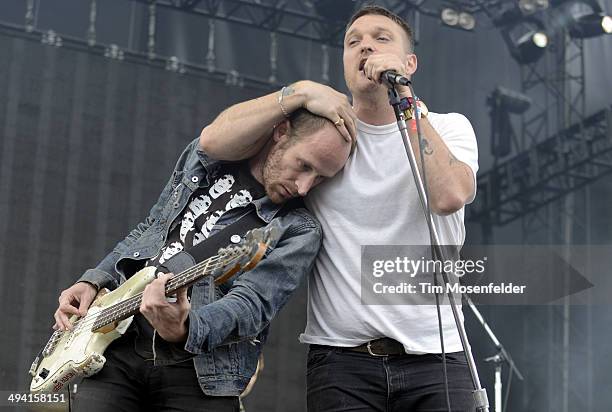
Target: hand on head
(326,102)
(305,149)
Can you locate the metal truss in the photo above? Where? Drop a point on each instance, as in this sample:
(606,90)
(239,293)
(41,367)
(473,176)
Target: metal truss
(274,16)
(299,19)
(549,170)
(542,170)
(229,77)
(561,90)
(555,168)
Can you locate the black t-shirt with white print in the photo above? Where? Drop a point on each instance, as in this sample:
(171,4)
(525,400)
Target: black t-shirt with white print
(232,187)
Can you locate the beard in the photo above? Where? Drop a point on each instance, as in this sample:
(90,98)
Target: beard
(271,174)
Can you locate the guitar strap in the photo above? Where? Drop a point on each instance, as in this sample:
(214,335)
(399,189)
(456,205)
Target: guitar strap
(231,234)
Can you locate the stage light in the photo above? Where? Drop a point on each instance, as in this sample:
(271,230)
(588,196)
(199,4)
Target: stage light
(510,100)
(458,19)
(583,18)
(527,40)
(467,21)
(449,17)
(540,39)
(528,7)
(591,25)
(530,47)
(502,103)
(606,24)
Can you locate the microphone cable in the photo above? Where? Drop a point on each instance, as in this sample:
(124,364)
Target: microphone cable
(429,219)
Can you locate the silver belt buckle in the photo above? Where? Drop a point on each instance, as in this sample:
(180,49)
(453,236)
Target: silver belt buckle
(372,353)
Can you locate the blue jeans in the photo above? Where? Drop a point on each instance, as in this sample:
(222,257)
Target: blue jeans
(343,380)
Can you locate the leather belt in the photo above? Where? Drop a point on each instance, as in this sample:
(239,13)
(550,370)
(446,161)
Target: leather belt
(380,347)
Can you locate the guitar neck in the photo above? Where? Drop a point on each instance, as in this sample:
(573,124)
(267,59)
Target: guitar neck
(131,306)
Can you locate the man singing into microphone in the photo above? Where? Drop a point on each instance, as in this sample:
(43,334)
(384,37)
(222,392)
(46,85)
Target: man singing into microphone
(376,357)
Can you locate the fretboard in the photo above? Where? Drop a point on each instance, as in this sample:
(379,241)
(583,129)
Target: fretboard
(131,306)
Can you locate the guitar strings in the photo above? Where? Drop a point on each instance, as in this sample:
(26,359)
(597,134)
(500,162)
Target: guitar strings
(113,313)
(117,311)
(131,303)
(103,315)
(88,319)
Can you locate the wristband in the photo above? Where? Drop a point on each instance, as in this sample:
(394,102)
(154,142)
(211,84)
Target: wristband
(407,106)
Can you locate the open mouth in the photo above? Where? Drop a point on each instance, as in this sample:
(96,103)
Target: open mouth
(362,63)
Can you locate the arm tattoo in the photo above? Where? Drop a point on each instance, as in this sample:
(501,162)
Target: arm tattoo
(288,91)
(427,149)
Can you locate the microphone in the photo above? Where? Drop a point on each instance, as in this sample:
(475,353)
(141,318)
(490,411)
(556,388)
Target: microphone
(392,78)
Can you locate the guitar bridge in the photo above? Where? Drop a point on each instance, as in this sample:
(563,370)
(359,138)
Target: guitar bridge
(34,366)
(46,351)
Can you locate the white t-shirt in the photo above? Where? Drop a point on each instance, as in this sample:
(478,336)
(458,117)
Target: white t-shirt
(373,201)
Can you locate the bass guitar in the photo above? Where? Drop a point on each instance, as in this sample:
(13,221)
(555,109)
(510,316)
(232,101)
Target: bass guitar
(77,353)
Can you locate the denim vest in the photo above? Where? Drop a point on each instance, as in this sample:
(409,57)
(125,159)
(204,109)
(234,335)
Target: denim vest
(227,324)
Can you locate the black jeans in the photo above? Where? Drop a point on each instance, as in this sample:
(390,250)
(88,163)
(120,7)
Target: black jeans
(129,383)
(342,380)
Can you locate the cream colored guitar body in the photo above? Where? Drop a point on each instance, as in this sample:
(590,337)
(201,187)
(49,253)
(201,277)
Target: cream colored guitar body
(77,353)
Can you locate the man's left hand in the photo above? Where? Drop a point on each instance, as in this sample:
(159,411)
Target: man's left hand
(168,318)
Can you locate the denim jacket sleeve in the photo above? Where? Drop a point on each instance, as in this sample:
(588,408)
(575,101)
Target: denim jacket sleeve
(104,274)
(256,296)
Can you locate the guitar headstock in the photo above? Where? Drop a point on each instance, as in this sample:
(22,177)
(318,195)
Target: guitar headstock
(245,255)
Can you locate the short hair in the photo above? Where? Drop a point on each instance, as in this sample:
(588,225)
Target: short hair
(304,123)
(381,11)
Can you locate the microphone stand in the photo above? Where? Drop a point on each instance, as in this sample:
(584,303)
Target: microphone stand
(498,359)
(480,395)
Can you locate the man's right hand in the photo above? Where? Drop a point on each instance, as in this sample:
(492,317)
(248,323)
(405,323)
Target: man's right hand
(73,301)
(324,101)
